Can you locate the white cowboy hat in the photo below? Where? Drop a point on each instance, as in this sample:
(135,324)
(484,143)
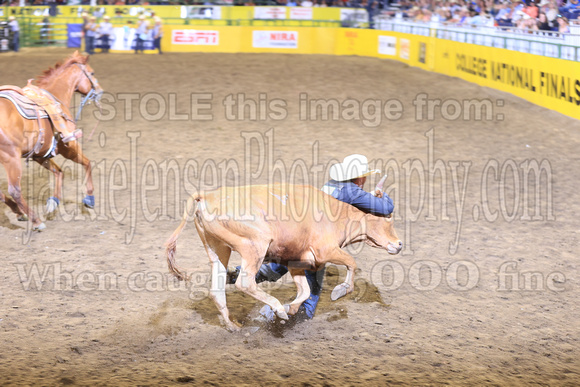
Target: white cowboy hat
(352,167)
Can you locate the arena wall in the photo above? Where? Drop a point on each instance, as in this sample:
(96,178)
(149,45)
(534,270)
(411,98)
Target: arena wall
(549,82)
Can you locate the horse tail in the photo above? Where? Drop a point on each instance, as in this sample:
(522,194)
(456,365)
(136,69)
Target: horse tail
(171,244)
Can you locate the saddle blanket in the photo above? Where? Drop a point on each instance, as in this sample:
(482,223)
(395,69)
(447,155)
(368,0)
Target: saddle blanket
(25,106)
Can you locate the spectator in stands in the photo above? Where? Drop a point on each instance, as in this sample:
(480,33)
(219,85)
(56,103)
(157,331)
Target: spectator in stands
(571,5)
(90,33)
(531,10)
(106,30)
(552,13)
(426,15)
(477,6)
(157,34)
(465,16)
(518,16)
(482,19)
(504,14)
(52,10)
(518,6)
(456,17)
(543,24)
(15,28)
(306,3)
(441,15)
(563,24)
(523,22)
(411,13)
(417,14)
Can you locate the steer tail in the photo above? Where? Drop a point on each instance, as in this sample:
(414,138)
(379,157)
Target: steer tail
(171,244)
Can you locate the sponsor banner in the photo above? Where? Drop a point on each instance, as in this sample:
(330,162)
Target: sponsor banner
(387,45)
(74,35)
(201,12)
(301,13)
(275,39)
(173,11)
(195,37)
(354,17)
(422,52)
(125,39)
(162,11)
(270,12)
(119,11)
(549,82)
(405,48)
(40,11)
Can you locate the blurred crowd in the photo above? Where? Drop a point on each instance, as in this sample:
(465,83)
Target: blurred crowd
(544,15)
(541,15)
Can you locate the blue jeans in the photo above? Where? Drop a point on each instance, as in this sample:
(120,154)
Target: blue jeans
(139,45)
(105,43)
(272,272)
(157,44)
(16,41)
(90,45)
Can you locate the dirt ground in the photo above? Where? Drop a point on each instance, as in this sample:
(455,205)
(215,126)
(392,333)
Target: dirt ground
(485,291)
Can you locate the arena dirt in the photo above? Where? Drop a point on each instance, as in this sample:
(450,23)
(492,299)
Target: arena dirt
(107,313)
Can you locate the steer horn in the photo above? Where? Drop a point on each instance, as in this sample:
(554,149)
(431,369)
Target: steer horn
(380,184)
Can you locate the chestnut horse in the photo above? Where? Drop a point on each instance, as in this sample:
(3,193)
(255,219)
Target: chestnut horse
(20,137)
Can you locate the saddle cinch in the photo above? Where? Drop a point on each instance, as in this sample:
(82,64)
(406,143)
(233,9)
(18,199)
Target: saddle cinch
(34,103)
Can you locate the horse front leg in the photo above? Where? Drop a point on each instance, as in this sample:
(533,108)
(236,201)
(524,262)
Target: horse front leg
(53,201)
(14,171)
(72,151)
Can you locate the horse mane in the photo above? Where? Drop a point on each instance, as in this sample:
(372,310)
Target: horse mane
(60,67)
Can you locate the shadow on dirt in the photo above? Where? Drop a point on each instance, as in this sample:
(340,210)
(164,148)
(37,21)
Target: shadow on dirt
(245,310)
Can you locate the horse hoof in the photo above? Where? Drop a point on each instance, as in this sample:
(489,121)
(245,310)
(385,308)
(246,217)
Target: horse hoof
(89,201)
(22,218)
(51,204)
(39,227)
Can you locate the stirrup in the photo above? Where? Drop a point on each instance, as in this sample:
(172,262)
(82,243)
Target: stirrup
(73,136)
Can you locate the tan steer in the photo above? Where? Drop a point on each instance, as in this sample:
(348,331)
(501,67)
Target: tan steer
(298,226)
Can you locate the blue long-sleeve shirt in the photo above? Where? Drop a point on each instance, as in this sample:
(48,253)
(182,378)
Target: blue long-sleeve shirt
(352,194)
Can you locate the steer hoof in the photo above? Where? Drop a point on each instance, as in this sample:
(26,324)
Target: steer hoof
(39,227)
(230,326)
(89,201)
(282,314)
(340,291)
(22,218)
(291,309)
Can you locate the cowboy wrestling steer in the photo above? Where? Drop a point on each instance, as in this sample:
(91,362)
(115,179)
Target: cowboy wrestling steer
(299,226)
